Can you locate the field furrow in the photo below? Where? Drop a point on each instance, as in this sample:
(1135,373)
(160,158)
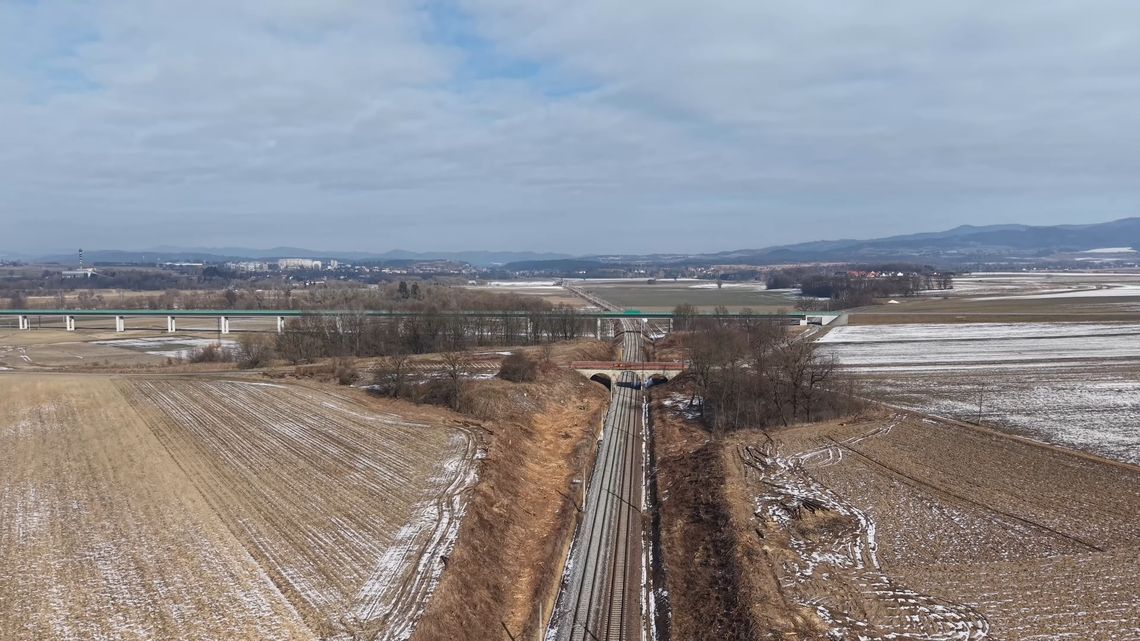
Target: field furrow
(349,511)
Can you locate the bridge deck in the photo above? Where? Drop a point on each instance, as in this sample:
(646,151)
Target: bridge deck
(624,365)
(239,313)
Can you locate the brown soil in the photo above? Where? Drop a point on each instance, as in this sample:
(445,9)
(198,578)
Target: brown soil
(668,348)
(720,584)
(178,507)
(503,575)
(974,531)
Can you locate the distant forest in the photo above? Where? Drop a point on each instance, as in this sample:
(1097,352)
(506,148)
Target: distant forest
(862,285)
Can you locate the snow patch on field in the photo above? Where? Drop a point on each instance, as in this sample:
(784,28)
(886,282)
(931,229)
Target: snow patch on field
(423,544)
(755,287)
(973,332)
(1106,291)
(844,553)
(170,347)
(524,284)
(1110,250)
(365,505)
(1067,383)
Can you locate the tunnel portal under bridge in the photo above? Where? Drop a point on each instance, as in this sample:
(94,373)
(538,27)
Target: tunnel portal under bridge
(650,373)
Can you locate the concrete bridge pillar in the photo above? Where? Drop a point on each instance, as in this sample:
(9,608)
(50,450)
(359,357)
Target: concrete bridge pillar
(120,324)
(25,322)
(223,325)
(171,326)
(69,323)
(280,324)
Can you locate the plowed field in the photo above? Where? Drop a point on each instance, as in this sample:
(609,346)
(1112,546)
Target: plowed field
(212,509)
(910,528)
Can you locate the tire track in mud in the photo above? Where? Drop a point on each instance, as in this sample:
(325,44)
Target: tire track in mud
(834,568)
(834,452)
(399,603)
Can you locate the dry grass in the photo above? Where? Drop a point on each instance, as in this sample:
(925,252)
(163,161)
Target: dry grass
(504,572)
(718,579)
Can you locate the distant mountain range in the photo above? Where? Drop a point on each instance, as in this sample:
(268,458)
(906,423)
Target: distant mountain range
(224,254)
(962,244)
(963,241)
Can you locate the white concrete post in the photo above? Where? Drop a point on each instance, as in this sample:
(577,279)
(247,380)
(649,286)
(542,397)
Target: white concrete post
(170,325)
(120,324)
(69,323)
(223,325)
(280,324)
(25,322)
(598,333)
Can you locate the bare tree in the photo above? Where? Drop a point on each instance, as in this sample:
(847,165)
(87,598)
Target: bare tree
(454,365)
(683,317)
(391,374)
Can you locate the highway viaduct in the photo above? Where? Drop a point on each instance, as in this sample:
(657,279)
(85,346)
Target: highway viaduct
(604,321)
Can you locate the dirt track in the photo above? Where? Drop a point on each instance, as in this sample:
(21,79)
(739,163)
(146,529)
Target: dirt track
(218,510)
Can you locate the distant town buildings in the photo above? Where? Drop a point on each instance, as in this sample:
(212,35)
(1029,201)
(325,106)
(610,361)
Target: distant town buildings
(298,263)
(79,273)
(249,266)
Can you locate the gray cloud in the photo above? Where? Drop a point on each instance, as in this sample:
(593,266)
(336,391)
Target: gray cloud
(535,124)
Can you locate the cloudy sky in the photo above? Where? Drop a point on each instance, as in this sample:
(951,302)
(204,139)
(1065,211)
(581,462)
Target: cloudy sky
(586,126)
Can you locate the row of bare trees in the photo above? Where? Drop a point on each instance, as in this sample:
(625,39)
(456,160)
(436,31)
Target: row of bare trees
(757,373)
(312,337)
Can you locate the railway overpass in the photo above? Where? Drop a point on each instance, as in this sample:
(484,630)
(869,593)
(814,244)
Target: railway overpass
(606,372)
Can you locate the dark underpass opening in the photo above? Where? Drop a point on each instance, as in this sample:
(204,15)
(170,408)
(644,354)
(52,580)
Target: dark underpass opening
(603,379)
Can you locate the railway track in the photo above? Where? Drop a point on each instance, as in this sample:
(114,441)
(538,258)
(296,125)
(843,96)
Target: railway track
(601,596)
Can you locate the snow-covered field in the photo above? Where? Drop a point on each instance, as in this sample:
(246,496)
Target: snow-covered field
(1110,290)
(1033,284)
(1076,384)
(893,347)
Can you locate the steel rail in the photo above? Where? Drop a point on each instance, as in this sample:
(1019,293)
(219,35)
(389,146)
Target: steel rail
(598,601)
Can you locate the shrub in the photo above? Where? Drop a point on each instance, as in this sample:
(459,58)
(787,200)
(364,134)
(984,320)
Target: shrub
(254,350)
(344,371)
(212,353)
(519,368)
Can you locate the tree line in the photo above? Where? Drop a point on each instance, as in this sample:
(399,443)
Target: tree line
(861,285)
(757,373)
(312,337)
